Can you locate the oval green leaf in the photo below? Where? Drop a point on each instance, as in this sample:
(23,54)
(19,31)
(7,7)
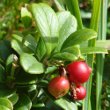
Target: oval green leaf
(47,24)
(41,49)
(66,56)
(3,107)
(6,92)
(66,105)
(14,98)
(20,47)
(24,103)
(5,102)
(30,64)
(79,37)
(67,25)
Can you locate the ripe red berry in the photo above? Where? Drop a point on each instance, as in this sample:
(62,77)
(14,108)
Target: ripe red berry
(58,86)
(78,72)
(78,92)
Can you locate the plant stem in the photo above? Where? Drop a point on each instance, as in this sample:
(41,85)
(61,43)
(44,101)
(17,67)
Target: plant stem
(100,57)
(73,7)
(90,58)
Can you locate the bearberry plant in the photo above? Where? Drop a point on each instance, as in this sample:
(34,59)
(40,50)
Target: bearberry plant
(45,65)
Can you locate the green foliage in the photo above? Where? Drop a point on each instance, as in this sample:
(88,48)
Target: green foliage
(24,103)
(47,24)
(30,64)
(68,22)
(5,103)
(36,40)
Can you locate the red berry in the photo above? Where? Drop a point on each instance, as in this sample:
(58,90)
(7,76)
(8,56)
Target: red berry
(58,86)
(78,72)
(78,92)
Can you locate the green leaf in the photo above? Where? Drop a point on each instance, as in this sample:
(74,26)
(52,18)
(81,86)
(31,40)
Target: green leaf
(64,56)
(93,50)
(51,69)
(69,54)
(67,25)
(75,50)
(66,105)
(6,92)
(30,42)
(5,49)
(47,24)
(39,106)
(16,45)
(5,102)
(41,49)
(14,98)
(4,107)
(20,47)
(9,62)
(30,64)
(26,17)
(24,103)
(63,103)
(23,78)
(78,37)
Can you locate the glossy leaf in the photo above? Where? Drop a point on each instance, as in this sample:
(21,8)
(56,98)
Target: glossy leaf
(5,102)
(40,106)
(66,56)
(30,64)
(24,103)
(47,24)
(30,42)
(63,103)
(67,25)
(4,107)
(41,49)
(79,37)
(14,98)
(75,50)
(20,47)
(16,45)
(9,62)
(5,49)
(6,92)
(69,54)
(51,69)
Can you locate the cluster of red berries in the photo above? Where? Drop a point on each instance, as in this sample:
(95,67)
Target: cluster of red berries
(78,72)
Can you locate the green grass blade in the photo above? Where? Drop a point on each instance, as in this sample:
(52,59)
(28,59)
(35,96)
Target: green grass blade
(73,7)
(94,25)
(100,57)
